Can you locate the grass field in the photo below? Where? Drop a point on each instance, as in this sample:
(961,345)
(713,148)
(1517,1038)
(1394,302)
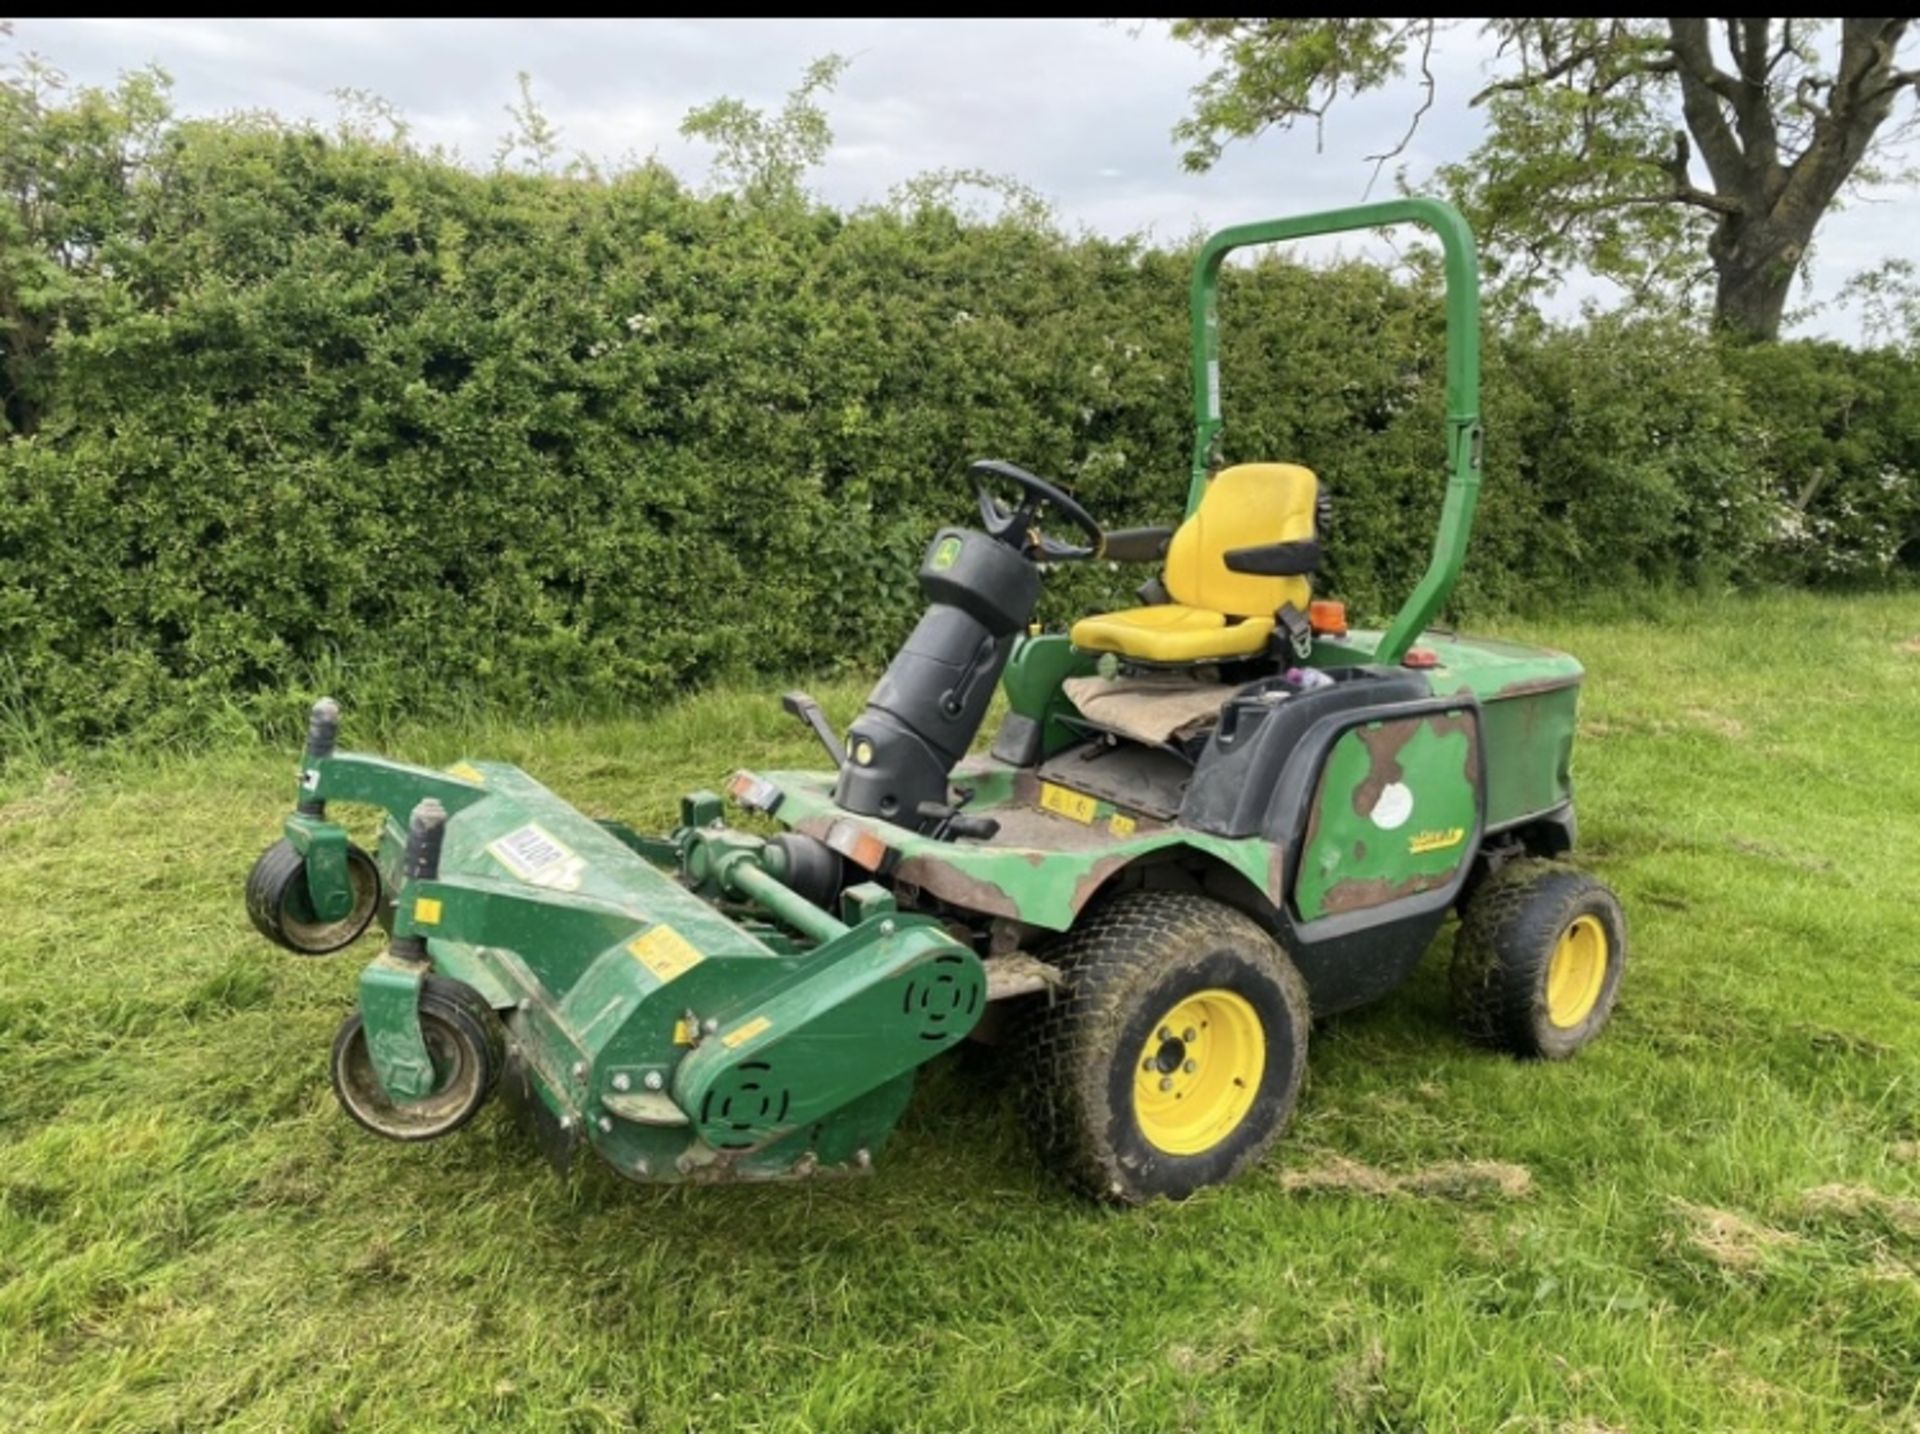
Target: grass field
(1709,1220)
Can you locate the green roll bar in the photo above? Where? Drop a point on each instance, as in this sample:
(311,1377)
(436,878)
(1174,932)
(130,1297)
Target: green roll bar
(1464,434)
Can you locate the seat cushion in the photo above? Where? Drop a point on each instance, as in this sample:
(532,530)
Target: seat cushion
(1172,633)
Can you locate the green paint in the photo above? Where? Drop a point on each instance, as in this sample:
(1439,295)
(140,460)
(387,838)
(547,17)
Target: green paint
(868,1007)
(1463,378)
(1393,815)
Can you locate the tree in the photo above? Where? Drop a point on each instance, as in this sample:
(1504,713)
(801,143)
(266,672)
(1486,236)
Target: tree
(1594,129)
(763,157)
(69,163)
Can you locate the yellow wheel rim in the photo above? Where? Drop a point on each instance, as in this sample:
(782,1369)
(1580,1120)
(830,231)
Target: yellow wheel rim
(1195,1078)
(1577,972)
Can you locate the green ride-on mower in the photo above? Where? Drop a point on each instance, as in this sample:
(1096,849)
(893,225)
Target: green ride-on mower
(1203,821)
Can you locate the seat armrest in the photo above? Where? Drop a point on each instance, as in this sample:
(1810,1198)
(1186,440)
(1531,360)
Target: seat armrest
(1137,545)
(1275,560)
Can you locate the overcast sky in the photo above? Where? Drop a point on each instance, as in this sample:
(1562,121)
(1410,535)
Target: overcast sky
(1078,109)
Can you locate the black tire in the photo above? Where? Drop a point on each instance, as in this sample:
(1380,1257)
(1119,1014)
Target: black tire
(466,1042)
(282,911)
(1129,965)
(1506,991)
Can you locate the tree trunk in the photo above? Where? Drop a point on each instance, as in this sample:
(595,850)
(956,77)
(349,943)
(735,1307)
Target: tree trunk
(1754,263)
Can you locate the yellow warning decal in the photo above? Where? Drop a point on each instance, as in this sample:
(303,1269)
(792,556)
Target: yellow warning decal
(740,1035)
(1122,825)
(665,952)
(1077,806)
(426,911)
(1436,840)
(683,1032)
(466,772)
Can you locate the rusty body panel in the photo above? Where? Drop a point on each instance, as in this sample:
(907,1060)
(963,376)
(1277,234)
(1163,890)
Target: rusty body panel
(1529,697)
(1395,814)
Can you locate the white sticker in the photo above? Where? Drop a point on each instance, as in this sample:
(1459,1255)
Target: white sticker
(1213,388)
(310,780)
(1394,807)
(535,856)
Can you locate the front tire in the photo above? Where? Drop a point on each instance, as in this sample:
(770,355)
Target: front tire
(1538,960)
(1174,1059)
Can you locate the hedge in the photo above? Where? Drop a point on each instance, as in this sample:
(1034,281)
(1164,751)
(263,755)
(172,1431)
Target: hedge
(286,409)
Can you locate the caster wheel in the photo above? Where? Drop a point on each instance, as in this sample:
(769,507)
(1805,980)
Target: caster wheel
(464,1039)
(1537,964)
(281,910)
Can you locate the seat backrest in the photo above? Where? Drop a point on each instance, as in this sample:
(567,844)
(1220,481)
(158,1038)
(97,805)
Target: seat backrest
(1246,506)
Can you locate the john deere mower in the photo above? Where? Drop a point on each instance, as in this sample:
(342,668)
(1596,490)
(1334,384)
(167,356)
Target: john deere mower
(1202,822)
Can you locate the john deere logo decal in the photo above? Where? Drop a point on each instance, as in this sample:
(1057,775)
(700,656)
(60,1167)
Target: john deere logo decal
(1436,841)
(946,555)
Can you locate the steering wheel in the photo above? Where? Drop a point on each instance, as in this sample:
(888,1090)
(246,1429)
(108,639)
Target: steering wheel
(1017,527)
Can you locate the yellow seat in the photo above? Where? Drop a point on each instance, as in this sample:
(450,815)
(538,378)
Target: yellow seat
(1217,613)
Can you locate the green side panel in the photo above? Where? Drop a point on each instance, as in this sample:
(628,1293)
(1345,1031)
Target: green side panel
(1529,700)
(1529,744)
(891,997)
(1037,667)
(1393,814)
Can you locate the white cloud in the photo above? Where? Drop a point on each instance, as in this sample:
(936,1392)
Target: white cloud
(1080,110)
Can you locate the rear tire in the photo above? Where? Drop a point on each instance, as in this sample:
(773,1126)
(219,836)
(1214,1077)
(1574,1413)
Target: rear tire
(1174,1057)
(1538,960)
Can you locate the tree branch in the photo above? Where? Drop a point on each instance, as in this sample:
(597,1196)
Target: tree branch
(1859,99)
(1426,104)
(1679,169)
(1748,40)
(1702,87)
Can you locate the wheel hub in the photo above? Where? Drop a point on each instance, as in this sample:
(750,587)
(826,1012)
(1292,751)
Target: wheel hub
(1199,1071)
(1576,972)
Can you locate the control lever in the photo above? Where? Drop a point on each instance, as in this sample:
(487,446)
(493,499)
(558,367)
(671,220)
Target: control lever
(800,705)
(949,822)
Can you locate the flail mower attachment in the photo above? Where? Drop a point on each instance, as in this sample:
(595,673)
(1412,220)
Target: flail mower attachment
(675,1003)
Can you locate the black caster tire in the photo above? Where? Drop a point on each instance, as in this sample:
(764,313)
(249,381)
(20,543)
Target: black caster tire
(1174,1058)
(1538,960)
(467,1045)
(281,911)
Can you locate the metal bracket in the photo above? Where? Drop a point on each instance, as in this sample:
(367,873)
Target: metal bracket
(390,1012)
(324,845)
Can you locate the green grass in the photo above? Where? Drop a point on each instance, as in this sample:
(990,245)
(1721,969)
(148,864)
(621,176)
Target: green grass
(192,1235)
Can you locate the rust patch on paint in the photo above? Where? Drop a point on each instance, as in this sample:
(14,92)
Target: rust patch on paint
(1465,723)
(1277,869)
(1094,878)
(1533,687)
(955,886)
(1383,744)
(1365,893)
